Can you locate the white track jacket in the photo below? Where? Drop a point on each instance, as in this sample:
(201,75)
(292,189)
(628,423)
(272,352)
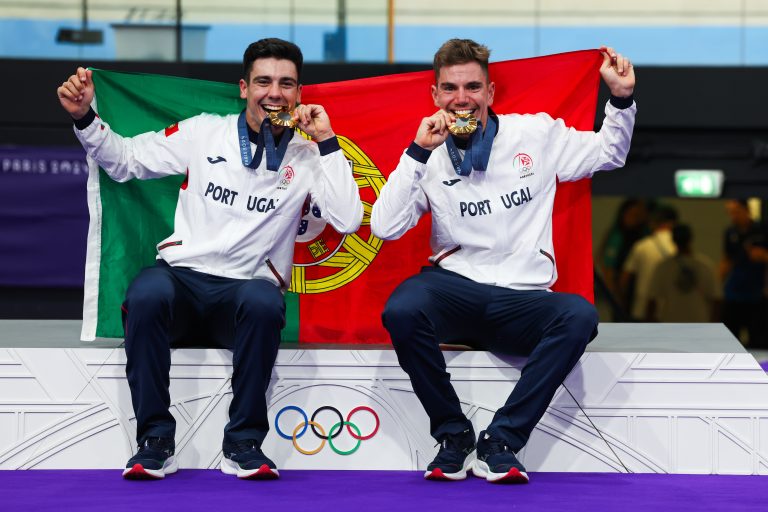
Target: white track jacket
(495,227)
(230,220)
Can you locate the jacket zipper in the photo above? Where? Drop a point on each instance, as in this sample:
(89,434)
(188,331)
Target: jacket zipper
(436,261)
(551,259)
(277,275)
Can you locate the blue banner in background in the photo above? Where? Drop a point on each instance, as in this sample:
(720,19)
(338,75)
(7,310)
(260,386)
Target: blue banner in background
(43,216)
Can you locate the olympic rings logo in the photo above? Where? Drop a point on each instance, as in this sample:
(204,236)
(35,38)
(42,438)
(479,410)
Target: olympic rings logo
(319,431)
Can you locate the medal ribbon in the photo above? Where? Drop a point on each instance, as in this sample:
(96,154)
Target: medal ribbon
(264,143)
(478,151)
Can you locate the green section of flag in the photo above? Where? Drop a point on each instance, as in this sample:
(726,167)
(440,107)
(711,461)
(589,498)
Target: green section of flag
(290,333)
(137,215)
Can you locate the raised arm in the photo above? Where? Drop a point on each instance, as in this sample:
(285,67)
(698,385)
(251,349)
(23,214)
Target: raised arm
(146,156)
(76,93)
(617,72)
(579,154)
(402,200)
(335,191)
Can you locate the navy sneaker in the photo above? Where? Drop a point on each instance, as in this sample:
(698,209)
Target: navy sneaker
(153,461)
(450,463)
(246,460)
(496,462)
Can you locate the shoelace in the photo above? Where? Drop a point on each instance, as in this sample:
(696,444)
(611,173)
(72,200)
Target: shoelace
(506,457)
(496,445)
(246,445)
(452,442)
(156,444)
(151,442)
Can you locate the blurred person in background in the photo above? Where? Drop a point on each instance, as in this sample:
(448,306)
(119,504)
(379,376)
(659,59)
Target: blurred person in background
(631,225)
(684,286)
(742,269)
(645,255)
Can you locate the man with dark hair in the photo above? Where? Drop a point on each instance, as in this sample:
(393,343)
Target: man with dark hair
(274,48)
(221,275)
(489,283)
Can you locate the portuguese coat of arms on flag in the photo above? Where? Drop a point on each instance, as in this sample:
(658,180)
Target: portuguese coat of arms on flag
(339,282)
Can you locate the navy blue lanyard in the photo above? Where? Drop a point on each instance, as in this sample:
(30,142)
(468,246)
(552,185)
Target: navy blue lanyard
(478,151)
(265,142)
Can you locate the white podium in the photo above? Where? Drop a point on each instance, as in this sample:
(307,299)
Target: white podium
(651,398)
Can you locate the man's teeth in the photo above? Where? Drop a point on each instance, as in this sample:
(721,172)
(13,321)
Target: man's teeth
(463,112)
(271,108)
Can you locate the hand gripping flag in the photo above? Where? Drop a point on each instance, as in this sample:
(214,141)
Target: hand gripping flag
(339,283)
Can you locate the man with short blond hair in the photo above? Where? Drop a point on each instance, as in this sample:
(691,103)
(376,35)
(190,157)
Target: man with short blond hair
(491,271)
(460,51)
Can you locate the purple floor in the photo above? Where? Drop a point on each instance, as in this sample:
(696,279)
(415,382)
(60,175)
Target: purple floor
(370,491)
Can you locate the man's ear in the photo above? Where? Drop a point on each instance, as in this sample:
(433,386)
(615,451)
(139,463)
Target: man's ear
(491,92)
(243,89)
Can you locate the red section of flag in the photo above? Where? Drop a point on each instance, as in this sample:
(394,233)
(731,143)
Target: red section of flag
(185,183)
(172,129)
(381,115)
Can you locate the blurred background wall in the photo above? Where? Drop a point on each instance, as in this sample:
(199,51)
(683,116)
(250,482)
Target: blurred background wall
(655,32)
(702,81)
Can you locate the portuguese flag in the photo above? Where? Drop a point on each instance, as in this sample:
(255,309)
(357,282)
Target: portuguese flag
(339,283)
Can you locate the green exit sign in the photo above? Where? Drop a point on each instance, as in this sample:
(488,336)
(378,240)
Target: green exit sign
(699,183)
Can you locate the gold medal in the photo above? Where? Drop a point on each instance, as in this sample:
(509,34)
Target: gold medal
(465,124)
(282,117)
